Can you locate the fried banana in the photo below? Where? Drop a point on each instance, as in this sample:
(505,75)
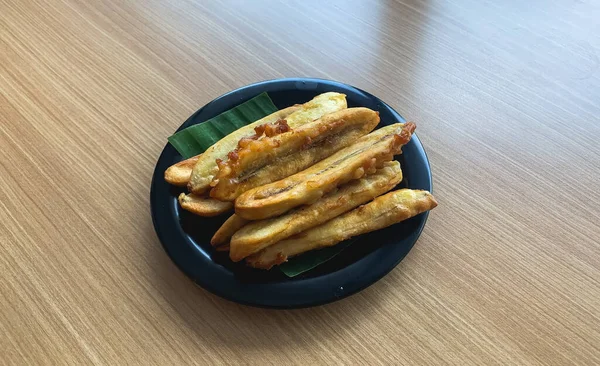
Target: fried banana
(382,212)
(203,206)
(226,231)
(307,186)
(205,169)
(258,235)
(258,162)
(179,174)
(206,166)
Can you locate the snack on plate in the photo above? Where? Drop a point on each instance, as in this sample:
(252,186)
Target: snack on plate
(309,185)
(206,167)
(258,162)
(203,206)
(257,235)
(226,231)
(303,178)
(179,174)
(384,211)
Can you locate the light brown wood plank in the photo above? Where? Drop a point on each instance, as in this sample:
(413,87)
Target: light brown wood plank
(506,97)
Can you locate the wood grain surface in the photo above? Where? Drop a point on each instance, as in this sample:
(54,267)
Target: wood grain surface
(506,95)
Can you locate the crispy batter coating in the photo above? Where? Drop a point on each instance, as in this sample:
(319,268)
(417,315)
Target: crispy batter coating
(226,231)
(258,162)
(384,211)
(309,185)
(258,235)
(179,174)
(203,206)
(206,166)
(295,116)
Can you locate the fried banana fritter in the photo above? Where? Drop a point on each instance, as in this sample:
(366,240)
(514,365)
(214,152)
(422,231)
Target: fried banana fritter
(203,206)
(226,231)
(382,212)
(179,174)
(206,168)
(258,235)
(307,186)
(258,162)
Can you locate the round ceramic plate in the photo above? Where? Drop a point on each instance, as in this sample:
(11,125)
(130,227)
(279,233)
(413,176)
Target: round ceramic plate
(186,237)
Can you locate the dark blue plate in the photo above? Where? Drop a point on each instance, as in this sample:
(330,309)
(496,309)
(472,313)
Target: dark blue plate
(186,237)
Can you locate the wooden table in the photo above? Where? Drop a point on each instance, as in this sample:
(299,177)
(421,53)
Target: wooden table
(506,96)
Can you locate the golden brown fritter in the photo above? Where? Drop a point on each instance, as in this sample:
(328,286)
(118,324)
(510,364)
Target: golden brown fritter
(309,185)
(384,211)
(203,206)
(258,162)
(226,231)
(257,235)
(206,168)
(179,174)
